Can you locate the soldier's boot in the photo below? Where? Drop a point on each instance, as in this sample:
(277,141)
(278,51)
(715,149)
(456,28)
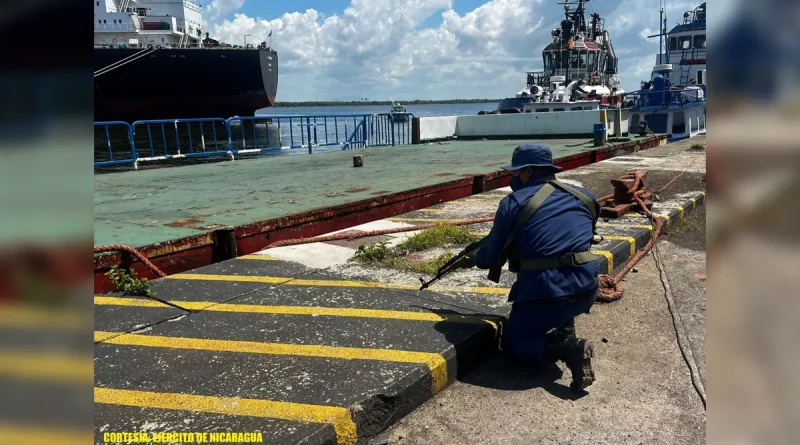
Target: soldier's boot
(577,354)
(566,331)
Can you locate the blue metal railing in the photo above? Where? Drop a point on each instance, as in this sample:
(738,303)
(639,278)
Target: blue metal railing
(117,149)
(674,96)
(164,139)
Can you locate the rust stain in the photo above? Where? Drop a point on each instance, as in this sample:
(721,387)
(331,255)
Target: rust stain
(444,174)
(358,189)
(184,223)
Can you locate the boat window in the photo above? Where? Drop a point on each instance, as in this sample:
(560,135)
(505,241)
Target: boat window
(548,60)
(694,121)
(542,110)
(104,21)
(582,59)
(558,109)
(685,42)
(98,3)
(700,41)
(678,123)
(100,22)
(673,43)
(593,59)
(528,110)
(576,109)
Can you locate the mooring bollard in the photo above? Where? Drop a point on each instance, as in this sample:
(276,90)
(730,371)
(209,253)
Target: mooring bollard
(358,161)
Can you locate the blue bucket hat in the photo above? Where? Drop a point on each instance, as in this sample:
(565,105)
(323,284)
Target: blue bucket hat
(532,155)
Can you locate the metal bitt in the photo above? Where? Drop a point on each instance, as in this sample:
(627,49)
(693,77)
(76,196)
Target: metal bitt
(627,189)
(358,161)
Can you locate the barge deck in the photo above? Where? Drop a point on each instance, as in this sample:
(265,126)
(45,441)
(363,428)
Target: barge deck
(192,216)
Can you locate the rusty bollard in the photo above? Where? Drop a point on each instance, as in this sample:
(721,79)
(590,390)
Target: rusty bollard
(358,161)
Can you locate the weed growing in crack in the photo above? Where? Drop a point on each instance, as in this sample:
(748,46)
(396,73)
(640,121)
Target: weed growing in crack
(128,283)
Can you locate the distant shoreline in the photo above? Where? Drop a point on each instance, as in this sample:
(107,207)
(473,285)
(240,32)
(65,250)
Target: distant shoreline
(356,103)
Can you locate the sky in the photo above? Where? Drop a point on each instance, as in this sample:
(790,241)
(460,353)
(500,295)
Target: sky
(424,49)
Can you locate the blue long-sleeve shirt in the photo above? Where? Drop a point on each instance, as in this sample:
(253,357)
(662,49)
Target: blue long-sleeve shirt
(561,225)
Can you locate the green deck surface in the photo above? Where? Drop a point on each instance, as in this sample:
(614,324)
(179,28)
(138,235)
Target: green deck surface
(139,208)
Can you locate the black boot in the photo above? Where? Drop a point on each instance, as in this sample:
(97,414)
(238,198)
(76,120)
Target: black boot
(566,331)
(577,354)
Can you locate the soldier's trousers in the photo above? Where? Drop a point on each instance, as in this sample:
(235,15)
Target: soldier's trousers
(525,334)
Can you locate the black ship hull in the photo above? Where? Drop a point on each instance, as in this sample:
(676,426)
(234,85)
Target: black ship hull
(184,83)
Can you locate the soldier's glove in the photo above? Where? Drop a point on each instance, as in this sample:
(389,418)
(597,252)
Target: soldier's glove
(465,262)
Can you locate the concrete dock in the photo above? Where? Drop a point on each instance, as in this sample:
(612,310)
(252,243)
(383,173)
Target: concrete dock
(303,346)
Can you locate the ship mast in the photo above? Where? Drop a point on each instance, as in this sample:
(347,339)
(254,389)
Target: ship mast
(663,44)
(574,21)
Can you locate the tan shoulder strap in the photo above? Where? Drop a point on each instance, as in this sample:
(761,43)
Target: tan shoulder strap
(590,203)
(527,212)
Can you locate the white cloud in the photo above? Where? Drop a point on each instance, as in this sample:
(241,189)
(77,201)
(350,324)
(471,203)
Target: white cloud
(379,48)
(645,33)
(218,9)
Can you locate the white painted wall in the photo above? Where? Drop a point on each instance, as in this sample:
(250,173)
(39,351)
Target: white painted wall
(441,127)
(527,124)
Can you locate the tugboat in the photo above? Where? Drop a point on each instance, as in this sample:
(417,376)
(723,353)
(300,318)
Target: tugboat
(399,112)
(674,100)
(580,68)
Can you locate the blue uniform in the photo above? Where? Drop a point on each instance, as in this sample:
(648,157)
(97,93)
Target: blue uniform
(561,225)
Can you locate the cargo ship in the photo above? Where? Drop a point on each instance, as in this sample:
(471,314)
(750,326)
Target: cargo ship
(152,62)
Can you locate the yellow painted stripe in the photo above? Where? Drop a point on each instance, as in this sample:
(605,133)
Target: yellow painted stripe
(297,310)
(665,216)
(257,257)
(633,215)
(633,226)
(431,210)
(435,362)
(121,301)
(332,283)
(338,417)
(609,256)
(46,366)
(237,278)
(631,240)
(694,201)
(680,209)
(27,316)
(42,435)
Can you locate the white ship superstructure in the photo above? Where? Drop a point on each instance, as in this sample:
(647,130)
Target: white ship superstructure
(142,23)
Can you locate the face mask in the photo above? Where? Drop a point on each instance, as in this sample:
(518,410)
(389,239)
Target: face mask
(516,183)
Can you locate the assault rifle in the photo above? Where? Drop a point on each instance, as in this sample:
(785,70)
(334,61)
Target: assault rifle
(494,274)
(449,267)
